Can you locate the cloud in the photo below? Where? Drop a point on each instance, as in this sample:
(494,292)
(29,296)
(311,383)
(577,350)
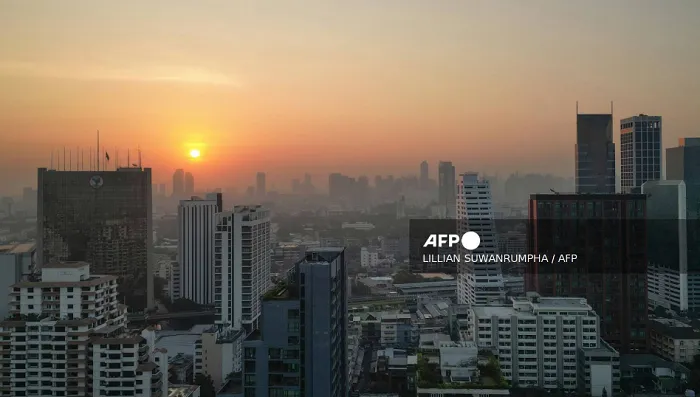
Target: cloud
(170,74)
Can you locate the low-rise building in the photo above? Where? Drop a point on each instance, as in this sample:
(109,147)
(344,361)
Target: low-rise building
(397,330)
(674,340)
(396,368)
(218,354)
(441,289)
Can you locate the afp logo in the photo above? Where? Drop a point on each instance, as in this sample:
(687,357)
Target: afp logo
(469,240)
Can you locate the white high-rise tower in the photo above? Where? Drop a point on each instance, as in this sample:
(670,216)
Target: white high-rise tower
(241,265)
(196,227)
(478,283)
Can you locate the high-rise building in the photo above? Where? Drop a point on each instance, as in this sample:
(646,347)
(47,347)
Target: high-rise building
(478,283)
(196,228)
(424,180)
(447,185)
(301,347)
(668,246)
(241,265)
(552,343)
(595,154)
(260,185)
(683,164)
(189,183)
(179,183)
(100,217)
(608,233)
(640,148)
(72,320)
(219,198)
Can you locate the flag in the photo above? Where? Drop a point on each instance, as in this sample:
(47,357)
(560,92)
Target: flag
(107,156)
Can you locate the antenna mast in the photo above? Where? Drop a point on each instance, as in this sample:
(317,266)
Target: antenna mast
(98,150)
(140,157)
(51,158)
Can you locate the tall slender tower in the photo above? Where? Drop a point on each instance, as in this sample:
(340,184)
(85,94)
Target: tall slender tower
(595,153)
(640,151)
(196,228)
(478,283)
(447,183)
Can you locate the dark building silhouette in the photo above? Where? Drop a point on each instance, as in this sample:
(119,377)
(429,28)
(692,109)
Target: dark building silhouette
(189,183)
(447,185)
(103,218)
(260,184)
(179,183)
(608,233)
(595,154)
(424,175)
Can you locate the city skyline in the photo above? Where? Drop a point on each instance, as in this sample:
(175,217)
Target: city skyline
(269,87)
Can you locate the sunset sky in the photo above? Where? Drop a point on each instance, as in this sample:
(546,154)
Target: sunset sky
(362,86)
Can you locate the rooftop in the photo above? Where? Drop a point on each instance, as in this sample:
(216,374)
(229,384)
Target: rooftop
(14,249)
(65,265)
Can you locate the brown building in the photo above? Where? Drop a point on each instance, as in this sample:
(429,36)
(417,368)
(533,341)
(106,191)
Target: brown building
(100,217)
(608,234)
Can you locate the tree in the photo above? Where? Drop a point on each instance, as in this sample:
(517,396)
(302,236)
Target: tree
(605,393)
(184,305)
(206,385)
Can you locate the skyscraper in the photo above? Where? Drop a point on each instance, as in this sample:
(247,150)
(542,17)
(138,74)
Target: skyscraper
(301,348)
(103,218)
(179,183)
(260,185)
(424,181)
(683,164)
(608,233)
(196,228)
(189,183)
(241,265)
(668,245)
(640,148)
(595,154)
(478,283)
(447,184)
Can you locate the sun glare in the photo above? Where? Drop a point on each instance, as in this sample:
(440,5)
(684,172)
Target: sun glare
(194,153)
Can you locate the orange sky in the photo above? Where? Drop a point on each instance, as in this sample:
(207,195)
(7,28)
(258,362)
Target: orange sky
(355,87)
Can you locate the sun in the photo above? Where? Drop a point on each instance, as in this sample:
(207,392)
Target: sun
(194,153)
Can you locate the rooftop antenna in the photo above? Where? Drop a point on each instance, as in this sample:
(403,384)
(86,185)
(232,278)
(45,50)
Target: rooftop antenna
(116,158)
(577,108)
(77,159)
(128,158)
(82,160)
(98,150)
(70,160)
(611,108)
(51,159)
(64,158)
(139,156)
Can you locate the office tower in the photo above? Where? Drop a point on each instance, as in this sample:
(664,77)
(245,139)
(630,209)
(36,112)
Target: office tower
(595,153)
(447,184)
(260,184)
(640,148)
(608,233)
(477,283)
(189,183)
(535,329)
(667,245)
(241,265)
(219,198)
(100,217)
(179,183)
(301,347)
(683,164)
(424,180)
(196,219)
(16,264)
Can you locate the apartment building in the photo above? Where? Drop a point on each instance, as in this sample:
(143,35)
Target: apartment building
(242,262)
(397,330)
(65,336)
(674,340)
(218,354)
(539,341)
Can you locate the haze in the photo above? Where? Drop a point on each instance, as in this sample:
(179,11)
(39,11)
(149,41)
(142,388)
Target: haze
(359,87)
